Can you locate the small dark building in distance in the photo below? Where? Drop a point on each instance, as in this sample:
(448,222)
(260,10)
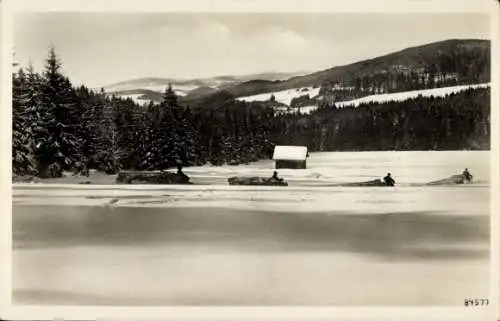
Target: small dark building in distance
(293,157)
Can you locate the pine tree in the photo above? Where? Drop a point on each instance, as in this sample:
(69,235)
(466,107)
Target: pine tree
(170,98)
(122,132)
(176,141)
(96,131)
(59,149)
(23,162)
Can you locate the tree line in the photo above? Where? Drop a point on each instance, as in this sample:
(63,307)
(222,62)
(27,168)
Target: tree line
(58,127)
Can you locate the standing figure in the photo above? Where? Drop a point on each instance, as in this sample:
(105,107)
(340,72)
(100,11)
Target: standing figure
(275,177)
(388,180)
(183,177)
(467,176)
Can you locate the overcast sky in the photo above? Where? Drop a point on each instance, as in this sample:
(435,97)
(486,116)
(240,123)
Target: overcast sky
(101,48)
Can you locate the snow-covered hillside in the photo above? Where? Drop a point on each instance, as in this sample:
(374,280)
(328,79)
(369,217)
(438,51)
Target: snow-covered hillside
(400,96)
(284,96)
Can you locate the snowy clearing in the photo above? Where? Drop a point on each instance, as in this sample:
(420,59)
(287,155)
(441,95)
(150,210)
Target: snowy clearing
(285,96)
(452,200)
(401,96)
(350,242)
(307,109)
(309,189)
(136,98)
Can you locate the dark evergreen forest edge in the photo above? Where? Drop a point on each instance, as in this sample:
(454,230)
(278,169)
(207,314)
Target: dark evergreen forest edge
(58,127)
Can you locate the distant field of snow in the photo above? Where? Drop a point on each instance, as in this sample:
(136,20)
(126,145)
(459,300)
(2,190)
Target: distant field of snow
(303,110)
(154,86)
(136,99)
(308,109)
(179,92)
(284,96)
(401,96)
(179,89)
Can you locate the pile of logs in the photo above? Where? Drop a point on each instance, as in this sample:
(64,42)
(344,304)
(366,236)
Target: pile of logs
(452,180)
(142,177)
(255,181)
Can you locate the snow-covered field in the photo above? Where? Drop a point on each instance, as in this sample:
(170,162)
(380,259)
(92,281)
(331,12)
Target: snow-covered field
(309,243)
(401,96)
(311,188)
(284,96)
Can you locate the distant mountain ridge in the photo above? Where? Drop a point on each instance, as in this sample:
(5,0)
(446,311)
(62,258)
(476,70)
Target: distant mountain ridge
(412,58)
(198,85)
(466,61)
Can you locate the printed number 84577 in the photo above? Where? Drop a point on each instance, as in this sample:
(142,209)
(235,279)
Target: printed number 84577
(476,302)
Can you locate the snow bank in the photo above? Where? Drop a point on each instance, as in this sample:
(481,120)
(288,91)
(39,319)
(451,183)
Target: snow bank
(401,96)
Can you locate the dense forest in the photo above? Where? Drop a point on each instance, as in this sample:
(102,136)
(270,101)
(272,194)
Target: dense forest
(58,127)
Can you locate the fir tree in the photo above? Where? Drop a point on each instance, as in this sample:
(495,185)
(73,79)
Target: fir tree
(23,162)
(59,150)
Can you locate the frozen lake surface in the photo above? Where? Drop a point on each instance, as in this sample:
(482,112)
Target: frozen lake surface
(310,243)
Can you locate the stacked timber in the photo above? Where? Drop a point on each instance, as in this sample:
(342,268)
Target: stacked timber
(239,180)
(143,177)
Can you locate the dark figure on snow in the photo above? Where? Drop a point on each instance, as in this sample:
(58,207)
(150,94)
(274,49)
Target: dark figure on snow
(388,180)
(183,177)
(275,177)
(467,176)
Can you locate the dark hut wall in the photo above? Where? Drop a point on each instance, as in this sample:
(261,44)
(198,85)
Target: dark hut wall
(293,164)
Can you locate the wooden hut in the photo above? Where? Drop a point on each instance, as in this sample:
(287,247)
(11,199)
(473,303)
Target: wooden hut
(293,157)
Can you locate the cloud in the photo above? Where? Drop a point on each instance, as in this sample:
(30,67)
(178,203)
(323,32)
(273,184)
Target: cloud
(98,49)
(281,39)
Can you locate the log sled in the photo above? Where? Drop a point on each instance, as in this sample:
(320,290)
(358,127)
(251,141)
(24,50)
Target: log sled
(375,182)
(256,181)
(452,180)
(143,177)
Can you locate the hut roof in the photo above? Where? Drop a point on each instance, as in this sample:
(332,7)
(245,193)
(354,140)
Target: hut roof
(294,153)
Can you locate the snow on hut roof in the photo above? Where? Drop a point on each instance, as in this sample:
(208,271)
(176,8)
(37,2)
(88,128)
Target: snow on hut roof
(298,153)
